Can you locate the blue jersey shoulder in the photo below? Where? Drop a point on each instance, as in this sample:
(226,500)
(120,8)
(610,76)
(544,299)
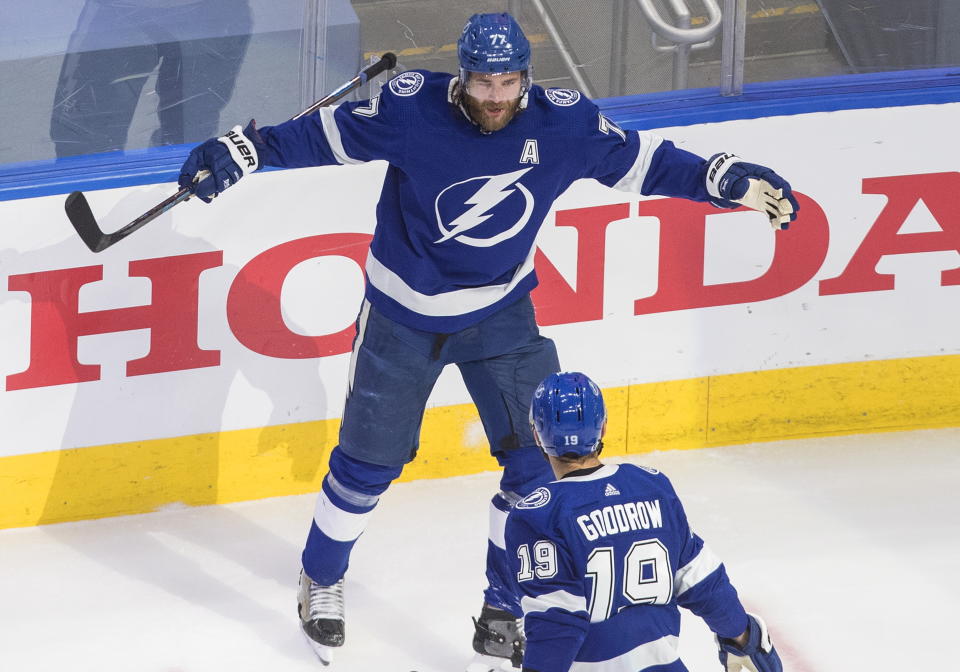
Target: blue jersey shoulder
(419,84)
(564,99)
(565,109)
(608,483)
(538,504)
(412,101)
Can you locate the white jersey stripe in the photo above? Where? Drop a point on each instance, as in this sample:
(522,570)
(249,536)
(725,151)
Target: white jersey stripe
(658,652)
(457,302)
(559,599)
(633,180)
(336,523)
(695,571)
(358,341)
(332,132)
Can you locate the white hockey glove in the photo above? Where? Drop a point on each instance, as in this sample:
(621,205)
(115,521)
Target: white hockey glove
(732,182)
(758,655)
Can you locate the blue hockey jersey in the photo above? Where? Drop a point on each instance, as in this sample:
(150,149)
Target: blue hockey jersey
(602,561)
(460,209)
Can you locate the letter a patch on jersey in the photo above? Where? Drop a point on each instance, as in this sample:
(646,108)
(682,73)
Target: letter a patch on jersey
(530,153)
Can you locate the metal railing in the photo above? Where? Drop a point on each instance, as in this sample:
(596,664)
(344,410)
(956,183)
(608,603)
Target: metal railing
(677,35)
(733,47)
(563,48)
(618,47)
(683,37)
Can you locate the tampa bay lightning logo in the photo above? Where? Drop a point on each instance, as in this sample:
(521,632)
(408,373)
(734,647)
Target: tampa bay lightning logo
(535,499)
(465,206)
(406,84)
(563,97)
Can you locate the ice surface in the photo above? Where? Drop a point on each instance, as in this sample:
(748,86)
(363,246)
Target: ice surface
(848,546)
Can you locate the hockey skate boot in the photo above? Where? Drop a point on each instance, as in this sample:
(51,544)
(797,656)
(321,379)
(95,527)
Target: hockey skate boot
(321,616)
(498,641)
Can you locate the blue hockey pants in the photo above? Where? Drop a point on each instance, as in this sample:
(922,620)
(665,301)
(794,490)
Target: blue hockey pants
(393,369)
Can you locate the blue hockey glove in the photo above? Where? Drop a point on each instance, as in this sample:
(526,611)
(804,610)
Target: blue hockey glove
(218,163)
(732,182)
(757,656)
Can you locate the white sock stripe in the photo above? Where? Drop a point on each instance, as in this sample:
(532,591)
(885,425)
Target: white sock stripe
(336,523)
(498,525)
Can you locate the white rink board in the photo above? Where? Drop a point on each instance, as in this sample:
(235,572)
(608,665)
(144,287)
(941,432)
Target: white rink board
(826,156)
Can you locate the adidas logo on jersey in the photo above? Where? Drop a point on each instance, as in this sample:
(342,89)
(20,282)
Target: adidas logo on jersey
(610,490)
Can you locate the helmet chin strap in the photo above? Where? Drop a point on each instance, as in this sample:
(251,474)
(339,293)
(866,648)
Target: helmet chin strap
(456,96)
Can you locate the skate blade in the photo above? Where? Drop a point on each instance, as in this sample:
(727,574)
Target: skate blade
(324,653)
(483,663)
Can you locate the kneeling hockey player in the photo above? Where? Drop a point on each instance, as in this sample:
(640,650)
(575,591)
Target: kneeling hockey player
(604,556)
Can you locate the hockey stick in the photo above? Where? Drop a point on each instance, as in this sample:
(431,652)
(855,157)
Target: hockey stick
(81,216)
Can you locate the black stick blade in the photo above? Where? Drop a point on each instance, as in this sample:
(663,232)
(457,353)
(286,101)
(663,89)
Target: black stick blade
(80,215)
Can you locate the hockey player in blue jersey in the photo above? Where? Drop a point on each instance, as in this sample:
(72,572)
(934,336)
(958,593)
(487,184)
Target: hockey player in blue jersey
(604,555)
(475,162)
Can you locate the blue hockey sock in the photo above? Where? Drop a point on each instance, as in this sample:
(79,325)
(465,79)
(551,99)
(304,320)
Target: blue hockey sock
(523,470)
(499,592)
(348,495)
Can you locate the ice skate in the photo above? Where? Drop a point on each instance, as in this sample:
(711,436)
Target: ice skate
(498,641)
(321,616)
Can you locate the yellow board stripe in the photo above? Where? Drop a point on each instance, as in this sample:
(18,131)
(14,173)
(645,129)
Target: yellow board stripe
(216,468)
(769,13)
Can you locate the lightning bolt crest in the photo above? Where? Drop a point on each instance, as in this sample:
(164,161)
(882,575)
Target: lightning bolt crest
(493,191)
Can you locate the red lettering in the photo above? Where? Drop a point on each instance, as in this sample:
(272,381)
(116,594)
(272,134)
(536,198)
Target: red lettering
(57,323)
(940,192)
(556,301)
(253,303)
(798,255)
(256,319)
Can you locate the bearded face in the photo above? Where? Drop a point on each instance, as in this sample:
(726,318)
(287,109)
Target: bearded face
(491,116)
(492,100)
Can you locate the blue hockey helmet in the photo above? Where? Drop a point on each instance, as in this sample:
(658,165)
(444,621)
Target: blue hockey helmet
(568,414)
(493,43)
